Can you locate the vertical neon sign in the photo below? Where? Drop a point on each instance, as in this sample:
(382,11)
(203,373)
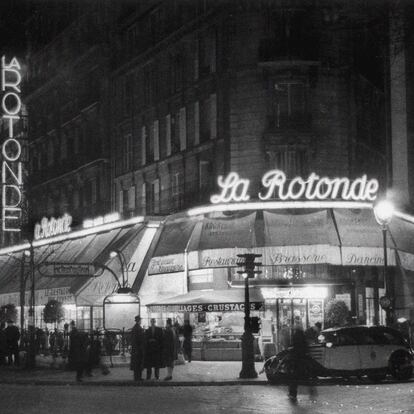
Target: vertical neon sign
(11,170)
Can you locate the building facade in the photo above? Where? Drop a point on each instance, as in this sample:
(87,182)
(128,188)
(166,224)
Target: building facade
(138,108)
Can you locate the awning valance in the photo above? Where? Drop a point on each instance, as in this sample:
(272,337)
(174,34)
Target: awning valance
(227,300)
(345,237)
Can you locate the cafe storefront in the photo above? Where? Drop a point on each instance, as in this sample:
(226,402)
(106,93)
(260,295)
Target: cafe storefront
(312,250)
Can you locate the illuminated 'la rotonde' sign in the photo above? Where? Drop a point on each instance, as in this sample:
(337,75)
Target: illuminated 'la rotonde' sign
(11,172)
(276,185)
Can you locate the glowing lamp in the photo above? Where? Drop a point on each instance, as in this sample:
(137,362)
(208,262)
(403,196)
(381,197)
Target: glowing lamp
(384,211)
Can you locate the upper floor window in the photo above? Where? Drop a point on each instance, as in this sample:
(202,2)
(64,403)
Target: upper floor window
(292,161)
(207,52)
(289,105)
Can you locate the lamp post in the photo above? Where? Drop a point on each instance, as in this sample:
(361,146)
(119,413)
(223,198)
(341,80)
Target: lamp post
(124,287)
(384,211)
(249,271)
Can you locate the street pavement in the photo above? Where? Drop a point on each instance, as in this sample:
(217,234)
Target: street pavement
(235,399)
(194,373)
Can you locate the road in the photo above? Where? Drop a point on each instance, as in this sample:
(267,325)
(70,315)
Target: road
(89,399)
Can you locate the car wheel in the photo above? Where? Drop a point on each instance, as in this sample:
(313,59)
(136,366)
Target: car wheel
(377,377)
(400,367)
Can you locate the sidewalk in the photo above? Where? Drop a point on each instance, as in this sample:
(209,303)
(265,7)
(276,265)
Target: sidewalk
(195,373)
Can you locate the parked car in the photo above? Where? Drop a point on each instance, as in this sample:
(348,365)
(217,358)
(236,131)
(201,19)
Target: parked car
(374,351)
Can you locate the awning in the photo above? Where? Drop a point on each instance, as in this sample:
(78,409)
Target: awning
(93,248)
(328,236)
(228,300)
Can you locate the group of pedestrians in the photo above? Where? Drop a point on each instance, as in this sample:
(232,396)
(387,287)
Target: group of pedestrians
(84,353)
(9,344)
(155,348)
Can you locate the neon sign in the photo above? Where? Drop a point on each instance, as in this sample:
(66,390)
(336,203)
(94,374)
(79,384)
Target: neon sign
(11,171)
(276,185)
(49,228)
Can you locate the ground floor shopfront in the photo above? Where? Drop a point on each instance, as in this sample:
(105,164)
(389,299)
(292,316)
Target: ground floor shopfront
(309,256)
(185,267)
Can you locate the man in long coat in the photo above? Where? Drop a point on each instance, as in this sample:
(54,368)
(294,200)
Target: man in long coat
(12,335)
(153,350)
(170,347)
(137,349)
(78,351)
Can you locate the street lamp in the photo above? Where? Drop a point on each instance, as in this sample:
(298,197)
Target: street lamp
(124,287)
(249,271)
(384,211)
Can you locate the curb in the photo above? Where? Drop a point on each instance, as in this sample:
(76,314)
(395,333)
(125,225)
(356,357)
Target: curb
(132,383)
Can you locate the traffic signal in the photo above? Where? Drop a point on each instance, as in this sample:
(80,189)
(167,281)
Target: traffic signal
(255,324)
(249,264)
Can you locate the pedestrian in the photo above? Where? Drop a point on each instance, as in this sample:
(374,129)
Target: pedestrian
(137,349)
(187,343)
(12,336)
(170,351)
(94,355)
(153,350)
(297,362)
(78,351)
(3,344)
(313,332)
(284,337)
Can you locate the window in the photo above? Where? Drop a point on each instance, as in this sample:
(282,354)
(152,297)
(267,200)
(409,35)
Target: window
(177,189)
(156,138)
(207,52)
(76,199)
(196,123)
(213,116)
(168,134)
(153,197)
(121,201)
(131,197)
(175,133)
(127,152)
(293,161)
(183,129)
(93,191)
(143,145)
(144,198)
(204,180)
(289,105)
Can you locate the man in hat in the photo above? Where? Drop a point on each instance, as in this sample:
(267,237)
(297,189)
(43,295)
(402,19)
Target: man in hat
(137,349)
(12,336)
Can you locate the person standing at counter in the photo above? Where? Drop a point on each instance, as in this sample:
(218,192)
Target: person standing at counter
(187,343)
(153,350)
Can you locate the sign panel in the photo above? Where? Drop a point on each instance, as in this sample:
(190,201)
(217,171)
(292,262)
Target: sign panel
(11,171)
(205,307)
(67,269)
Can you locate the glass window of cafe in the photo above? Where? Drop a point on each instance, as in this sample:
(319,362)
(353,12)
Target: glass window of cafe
(209,325)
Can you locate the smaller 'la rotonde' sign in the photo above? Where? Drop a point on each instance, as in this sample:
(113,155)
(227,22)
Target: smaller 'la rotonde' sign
(277,186)
(52,227)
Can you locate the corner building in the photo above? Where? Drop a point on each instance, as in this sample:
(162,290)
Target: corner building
(204,89)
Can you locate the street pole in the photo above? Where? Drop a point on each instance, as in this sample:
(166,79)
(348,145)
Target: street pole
(248,370)
(31,357)
(388,310)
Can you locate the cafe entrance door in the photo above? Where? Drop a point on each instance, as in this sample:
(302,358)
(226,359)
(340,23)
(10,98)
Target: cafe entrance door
(289,311)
